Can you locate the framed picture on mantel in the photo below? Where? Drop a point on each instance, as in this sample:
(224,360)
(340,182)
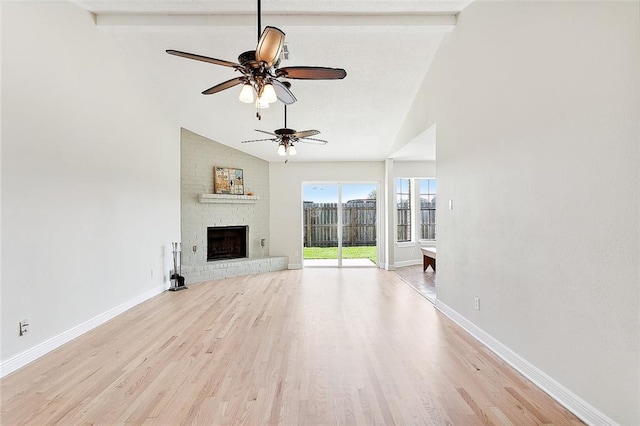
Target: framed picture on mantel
(228,181)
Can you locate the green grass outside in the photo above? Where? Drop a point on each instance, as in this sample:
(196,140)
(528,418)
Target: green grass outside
(364,252)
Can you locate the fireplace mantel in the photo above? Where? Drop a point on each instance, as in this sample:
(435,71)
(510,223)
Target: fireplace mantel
(228,198)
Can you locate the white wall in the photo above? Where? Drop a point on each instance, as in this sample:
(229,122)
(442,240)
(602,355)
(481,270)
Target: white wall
(285,181)
(537,108)
(90,175)
(414,169)
(409,253)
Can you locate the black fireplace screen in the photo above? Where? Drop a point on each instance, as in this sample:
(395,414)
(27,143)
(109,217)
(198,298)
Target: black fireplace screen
(226,242)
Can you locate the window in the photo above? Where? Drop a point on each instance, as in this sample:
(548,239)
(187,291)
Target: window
(403,207)
(415,203)
(427,209)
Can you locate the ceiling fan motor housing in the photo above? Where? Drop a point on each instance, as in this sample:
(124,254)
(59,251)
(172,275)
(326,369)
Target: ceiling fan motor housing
(248,59)
(284,132)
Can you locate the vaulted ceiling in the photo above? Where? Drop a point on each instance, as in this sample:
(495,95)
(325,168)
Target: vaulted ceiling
(385,47)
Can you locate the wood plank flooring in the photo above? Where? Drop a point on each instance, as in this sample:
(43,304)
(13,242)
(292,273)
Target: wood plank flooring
(305,347)
(424,282)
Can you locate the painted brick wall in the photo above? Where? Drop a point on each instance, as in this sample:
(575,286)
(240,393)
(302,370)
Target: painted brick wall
(199,156)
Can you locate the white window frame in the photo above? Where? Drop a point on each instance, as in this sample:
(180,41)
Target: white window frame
(419,213)
(414,190)
(411,224)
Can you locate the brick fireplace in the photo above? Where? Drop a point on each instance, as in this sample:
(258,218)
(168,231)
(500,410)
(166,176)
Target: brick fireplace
(201,210)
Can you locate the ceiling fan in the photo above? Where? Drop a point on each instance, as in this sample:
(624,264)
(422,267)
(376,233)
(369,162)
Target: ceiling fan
(285,137)
(260,75)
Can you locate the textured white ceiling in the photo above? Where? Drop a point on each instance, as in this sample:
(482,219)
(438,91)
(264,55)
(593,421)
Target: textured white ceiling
(385,47)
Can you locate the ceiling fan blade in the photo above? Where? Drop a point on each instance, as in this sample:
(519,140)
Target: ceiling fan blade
(270,45)
(311,73)
(259,140)
(313,141)
(204,59)
(222,86)
(282,92)
(306,133)
(268,133)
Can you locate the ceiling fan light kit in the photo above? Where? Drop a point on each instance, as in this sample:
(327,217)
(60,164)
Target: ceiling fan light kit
(269,93)
(286,148)
(261,84)
(246,94)
(262,103)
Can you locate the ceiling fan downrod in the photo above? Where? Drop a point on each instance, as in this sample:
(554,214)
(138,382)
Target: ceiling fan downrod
(259,20)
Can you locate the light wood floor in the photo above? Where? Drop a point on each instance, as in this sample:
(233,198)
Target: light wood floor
(306,347)
(424,282)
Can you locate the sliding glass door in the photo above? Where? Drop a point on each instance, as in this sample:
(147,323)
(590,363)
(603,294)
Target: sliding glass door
(321,244)
(340,224)
(359,214)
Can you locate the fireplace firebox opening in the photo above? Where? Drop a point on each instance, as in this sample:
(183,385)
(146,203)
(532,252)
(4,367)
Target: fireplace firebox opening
(227,242)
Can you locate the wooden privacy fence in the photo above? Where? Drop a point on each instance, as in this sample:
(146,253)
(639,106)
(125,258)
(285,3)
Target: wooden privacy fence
(358,224)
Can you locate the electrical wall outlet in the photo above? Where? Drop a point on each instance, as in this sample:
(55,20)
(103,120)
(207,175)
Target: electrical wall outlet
(24,327)
(477,303)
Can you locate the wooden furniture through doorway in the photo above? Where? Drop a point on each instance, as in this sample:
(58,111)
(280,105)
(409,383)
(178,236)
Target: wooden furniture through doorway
(428,258)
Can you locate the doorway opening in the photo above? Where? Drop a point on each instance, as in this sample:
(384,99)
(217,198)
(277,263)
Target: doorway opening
(415,253)
(340,224)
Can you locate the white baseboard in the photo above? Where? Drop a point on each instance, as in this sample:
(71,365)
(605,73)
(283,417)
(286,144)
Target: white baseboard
(295,266)
(585,411)
(408,263)
(30,355)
